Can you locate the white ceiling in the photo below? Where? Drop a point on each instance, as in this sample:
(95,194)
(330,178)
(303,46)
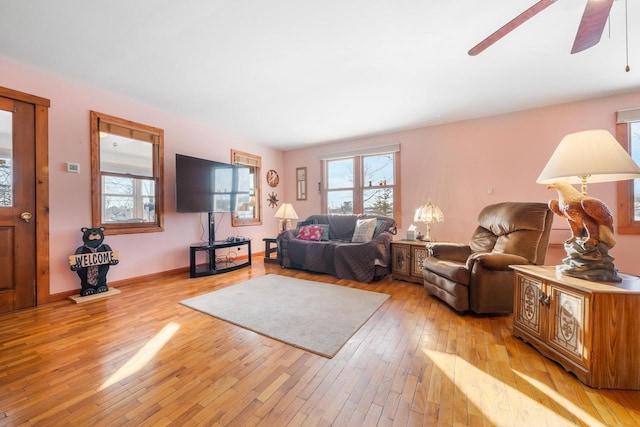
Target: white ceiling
(286,73)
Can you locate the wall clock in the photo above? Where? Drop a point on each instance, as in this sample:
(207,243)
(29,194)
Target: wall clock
(272,178)
(272,199)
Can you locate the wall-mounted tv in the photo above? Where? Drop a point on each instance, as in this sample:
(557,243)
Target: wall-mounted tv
(205,185)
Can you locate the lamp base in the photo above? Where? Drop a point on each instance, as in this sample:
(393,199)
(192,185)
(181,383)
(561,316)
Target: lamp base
(589,262)
(284,225)
(428,237)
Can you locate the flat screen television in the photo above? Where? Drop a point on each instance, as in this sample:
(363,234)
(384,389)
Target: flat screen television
(207,186)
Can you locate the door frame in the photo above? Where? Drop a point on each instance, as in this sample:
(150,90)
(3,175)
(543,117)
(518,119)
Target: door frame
(42,188)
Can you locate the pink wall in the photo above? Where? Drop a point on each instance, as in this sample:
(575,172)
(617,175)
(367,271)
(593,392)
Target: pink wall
(70,206)
(455,164)
(452,164)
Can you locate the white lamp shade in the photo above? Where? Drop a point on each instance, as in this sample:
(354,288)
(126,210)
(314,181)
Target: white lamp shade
(594,154)
(286,211)
(428,213)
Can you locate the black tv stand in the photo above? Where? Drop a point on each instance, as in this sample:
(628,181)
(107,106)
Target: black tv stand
(218,263)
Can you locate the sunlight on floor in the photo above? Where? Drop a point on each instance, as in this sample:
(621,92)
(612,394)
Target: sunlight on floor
(560,400)
(143,356)
(501,403)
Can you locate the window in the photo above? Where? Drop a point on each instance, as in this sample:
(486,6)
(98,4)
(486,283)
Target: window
(126,170)
(628,134)
(6,156)
(247,201)
(340,188)
(363,181)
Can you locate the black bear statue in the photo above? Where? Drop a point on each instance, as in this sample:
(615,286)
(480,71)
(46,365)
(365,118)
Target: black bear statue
(93,277)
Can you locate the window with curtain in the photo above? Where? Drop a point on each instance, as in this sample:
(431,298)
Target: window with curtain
(362,181)
(628,134)
(126,169)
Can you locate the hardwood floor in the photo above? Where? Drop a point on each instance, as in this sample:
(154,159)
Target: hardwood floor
(141,358)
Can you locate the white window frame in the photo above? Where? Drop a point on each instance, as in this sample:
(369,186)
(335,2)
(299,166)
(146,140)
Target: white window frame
(359,186)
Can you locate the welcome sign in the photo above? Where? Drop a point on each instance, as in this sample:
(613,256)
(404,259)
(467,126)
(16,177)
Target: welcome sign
(91,259)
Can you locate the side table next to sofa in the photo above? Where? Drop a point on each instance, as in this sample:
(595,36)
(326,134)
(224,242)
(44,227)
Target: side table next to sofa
(406,260)
(270,247)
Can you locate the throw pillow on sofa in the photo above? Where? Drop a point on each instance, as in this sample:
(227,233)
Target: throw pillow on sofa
(300,224)
(364,230)
(310,232)
(325,231)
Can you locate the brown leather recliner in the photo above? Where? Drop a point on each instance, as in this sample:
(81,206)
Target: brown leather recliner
(477,276)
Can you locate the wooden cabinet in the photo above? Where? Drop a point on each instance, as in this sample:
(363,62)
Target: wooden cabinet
(590,328)
(406,260)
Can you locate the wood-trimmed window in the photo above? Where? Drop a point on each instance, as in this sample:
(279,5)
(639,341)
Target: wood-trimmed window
(628,134)
(362,181)
(127,163)
(248,202)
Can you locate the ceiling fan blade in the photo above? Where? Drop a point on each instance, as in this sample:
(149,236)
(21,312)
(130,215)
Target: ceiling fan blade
(511,25)
(594,18)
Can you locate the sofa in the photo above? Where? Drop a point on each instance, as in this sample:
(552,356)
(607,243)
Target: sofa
(476,276)
(354,247)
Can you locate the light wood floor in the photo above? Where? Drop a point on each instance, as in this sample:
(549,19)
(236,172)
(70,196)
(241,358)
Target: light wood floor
(141,358)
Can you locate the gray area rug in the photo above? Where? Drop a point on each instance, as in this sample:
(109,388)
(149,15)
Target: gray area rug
(314,316)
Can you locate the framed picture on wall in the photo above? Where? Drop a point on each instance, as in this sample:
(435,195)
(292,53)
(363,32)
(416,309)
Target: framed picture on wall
(301,183)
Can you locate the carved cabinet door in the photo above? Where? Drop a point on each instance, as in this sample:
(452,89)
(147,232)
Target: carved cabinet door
(400,259)
(418,254)
(568,322)
(527,311)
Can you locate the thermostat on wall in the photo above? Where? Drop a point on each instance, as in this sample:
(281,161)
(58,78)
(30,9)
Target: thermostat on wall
(73,167)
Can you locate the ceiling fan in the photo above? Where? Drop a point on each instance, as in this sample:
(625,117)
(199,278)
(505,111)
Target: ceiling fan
(590,30)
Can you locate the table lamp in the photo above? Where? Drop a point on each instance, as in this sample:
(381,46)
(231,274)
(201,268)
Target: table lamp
(286,213)
(428,213)
(593,156)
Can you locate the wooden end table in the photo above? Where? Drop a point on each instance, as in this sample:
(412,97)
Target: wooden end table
(270,247)
(406,260)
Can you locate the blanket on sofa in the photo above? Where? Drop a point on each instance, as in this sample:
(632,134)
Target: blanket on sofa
(338,255)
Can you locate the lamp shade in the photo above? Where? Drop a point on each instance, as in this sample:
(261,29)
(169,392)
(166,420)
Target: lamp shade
(592,154)
(286,211)
(429,213)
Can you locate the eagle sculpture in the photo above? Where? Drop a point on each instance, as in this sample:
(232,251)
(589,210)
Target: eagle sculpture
(587,216)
